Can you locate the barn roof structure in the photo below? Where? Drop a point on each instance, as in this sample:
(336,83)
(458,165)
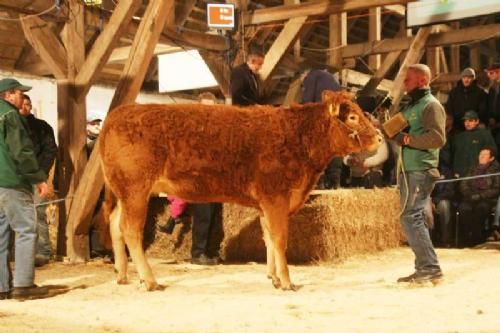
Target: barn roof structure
(83,42)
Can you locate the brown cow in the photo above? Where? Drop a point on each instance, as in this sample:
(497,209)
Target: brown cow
(260,156)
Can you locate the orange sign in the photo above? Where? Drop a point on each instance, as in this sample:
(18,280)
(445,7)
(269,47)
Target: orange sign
(220,16)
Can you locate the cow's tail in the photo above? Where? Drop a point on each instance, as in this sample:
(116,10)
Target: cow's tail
(108,206)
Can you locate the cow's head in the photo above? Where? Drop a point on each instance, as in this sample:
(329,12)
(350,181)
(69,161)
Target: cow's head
(361,133)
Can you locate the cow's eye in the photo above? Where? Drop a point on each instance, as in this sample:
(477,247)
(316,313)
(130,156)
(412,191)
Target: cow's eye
(353,117)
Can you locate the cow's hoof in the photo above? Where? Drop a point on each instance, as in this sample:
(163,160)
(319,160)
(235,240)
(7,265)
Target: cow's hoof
(122,281)
(276,282)
(291,287)
(152,285)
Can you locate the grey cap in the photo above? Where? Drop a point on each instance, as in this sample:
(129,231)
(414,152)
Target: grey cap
(10,83)
(468,72)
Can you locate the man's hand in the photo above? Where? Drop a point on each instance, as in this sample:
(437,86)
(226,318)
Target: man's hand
(43,189)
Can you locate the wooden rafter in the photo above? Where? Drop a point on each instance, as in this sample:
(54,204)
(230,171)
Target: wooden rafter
(281,45)
(46,45)
(280,13)
(104,45)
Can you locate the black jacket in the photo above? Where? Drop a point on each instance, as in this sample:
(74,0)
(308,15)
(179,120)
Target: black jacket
(244,86)
(462,99)
(44,142)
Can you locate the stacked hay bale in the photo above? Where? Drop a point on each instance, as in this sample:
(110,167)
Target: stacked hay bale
(332,225)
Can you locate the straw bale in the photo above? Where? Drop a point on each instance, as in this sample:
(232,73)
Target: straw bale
(331,226)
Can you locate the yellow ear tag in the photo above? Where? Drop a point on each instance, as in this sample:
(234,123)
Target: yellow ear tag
(334,112)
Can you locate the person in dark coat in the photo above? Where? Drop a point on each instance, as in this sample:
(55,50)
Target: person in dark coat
(244,83)
(479,196)
(467,95)
(44,142)
(314,82)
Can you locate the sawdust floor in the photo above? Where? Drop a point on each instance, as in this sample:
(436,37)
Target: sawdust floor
(359,295)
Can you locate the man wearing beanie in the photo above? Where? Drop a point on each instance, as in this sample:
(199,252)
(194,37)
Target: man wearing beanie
(467,96)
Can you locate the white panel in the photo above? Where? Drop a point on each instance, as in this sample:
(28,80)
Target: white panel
(426,12)
(183,71)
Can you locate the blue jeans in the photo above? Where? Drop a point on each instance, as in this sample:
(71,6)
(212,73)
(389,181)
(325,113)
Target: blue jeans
(415,196)
(43,240)
(496,221)
(17,213)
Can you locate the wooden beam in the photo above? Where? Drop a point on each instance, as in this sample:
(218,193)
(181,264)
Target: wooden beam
(46,45)
(361,79)
(372,84)
(170,34)
(120,54)
(396,9)
(280,13)
(128,88)
(75,117)
(455,53)
(413,56)
(374,34)
(337,36)
(281,44)
(186,9)
(296,45)
(474,56)
(439,39)
(104,45)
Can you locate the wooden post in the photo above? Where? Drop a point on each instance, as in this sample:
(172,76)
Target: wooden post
(374,34)
(296,45)
(379,75)
(337,38)
(413,56)
(127,90)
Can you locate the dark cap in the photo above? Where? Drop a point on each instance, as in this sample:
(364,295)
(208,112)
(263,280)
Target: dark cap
(494,66)
(470,115)
(10,84)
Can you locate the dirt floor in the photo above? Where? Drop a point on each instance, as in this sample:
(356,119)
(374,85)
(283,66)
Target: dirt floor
(359,295)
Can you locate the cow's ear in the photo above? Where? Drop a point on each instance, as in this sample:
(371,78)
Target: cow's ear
(328,96)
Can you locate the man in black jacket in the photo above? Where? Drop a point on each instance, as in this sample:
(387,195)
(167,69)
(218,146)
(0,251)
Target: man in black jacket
(244,80)
(493,72)
(44,142)
(467,95)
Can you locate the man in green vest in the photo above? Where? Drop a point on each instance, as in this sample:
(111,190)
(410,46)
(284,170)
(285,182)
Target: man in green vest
(420,144)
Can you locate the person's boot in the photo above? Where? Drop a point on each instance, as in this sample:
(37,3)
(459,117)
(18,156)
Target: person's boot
(203,259)
(32,292)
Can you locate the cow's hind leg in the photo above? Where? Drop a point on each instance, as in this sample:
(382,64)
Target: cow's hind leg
(134,212)
(118,244)
(271,265)
(276,217)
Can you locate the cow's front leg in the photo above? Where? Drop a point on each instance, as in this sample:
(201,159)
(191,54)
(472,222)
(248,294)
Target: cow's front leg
(118,244)
(271,265)
(277,221)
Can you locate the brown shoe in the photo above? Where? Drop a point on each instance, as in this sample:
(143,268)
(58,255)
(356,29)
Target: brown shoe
(32,292)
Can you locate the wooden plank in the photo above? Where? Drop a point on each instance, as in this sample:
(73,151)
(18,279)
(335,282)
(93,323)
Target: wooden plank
(455,53)
(280,13)
(361,79)
(281,44)
(293,93)
(46,45)
(128,88)
(296,45)
(104,45)
(413,56)
(374,34)
(439,39)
